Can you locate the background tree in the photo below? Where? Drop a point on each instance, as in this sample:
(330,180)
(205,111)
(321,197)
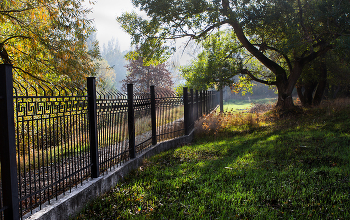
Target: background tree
(115,58)
(47,39)
(283,35)
(144,76)
(328,72)
(216,66)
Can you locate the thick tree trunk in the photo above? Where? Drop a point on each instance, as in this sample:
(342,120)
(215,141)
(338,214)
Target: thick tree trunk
(309,91)
(322,83)
(301,95)
(336,92)
(285,103)
(285,100)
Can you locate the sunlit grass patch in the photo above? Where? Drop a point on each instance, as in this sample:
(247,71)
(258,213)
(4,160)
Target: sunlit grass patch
(290,169)
(236,106)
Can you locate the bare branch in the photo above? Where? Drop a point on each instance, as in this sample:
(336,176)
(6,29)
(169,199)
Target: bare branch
(28,73)
(212,27)
(18,36)
(246,72)
(15,11)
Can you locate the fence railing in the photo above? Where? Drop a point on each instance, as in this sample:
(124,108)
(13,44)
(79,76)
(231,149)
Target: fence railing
(53,138)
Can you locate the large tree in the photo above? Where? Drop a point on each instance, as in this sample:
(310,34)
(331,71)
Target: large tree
(283,35)
(46,39)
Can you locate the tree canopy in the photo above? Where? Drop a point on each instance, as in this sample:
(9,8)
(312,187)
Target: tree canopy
(216,65)
(283,35)
(46,39)
(145,76)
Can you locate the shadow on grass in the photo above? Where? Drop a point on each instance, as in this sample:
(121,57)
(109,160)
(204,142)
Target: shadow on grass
(299,171)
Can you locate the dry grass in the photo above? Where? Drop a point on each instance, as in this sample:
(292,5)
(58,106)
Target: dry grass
(215,123)
(262,115)
(336,105)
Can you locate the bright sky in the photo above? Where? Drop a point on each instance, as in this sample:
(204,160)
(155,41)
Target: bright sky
(104,13)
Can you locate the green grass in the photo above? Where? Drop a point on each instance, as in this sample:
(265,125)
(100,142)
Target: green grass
(242,105)
(296,168)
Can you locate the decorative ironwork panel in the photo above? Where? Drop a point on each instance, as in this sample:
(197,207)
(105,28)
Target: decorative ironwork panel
(143,121)
(112,125)
(170,116)
(52,141)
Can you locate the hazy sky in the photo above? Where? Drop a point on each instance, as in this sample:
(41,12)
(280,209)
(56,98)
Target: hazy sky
(104,13)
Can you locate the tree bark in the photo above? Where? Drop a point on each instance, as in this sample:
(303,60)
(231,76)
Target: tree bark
(336,92)
(309,91)
(301,95)
(321,85)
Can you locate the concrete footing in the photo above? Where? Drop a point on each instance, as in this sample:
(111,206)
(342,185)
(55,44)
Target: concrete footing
(70,203)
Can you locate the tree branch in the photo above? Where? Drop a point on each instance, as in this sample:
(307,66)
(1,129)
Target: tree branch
(278,51)
(273,66)
(14,11)
(216,25)
(28,73)
(307,36)
(246,72)
(19,36)
(314,55)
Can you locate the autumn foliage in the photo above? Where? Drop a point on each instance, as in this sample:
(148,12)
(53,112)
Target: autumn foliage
(144,76)
(46,39)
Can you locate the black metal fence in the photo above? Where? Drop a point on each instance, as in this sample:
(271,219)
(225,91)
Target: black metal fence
(53,138)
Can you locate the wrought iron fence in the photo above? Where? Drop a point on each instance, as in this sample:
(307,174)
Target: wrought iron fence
(112,126)
(170,115)
(61,136)
(52,141)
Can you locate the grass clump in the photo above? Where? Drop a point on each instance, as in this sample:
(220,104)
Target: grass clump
(291,168)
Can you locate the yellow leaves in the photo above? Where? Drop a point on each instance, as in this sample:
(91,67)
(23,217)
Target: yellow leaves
(40,37)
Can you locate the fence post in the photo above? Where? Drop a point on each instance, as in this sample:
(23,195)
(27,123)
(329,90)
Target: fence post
(153,116)
(192,109)
(92,108)
(186,111)
(131,121)
(8,145)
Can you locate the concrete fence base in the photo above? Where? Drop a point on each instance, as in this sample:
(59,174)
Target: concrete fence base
(70,203)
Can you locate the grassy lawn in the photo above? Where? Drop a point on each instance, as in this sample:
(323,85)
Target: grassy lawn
(242,105)
(293,168)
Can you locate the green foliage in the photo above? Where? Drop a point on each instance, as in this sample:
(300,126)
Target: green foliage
(216,65)
(153,49)
(47,39)
(179,90)
(282,35)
